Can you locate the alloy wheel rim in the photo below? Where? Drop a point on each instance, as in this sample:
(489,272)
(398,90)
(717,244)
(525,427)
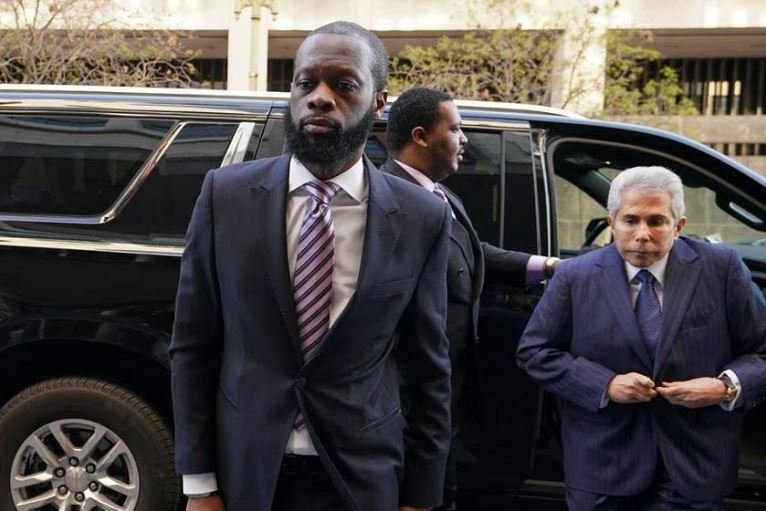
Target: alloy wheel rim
(74,464)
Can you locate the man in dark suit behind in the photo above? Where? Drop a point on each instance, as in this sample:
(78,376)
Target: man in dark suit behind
(307,280)
(426,144)
(656,345)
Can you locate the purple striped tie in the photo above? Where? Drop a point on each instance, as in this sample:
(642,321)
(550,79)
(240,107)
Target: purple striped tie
(440,193)
(312,280)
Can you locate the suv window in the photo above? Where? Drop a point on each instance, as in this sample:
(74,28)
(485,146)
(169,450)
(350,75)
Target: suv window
(162,207)
(584,171)
(71,165)
(160,210)
(478,182)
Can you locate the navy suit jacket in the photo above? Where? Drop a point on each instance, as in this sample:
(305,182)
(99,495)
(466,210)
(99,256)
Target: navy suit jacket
(237,372)
(584,331)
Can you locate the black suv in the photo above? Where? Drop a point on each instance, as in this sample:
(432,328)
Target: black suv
(97,186)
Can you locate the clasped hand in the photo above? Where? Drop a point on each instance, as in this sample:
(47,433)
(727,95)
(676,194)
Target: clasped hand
(695,393)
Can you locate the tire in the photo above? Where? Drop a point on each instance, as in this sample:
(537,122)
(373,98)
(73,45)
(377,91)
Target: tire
(89,445)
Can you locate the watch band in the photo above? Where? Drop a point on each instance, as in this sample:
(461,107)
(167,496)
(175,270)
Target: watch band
(548,267)
(731,389)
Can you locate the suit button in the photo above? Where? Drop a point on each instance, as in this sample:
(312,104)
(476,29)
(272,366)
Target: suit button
(460,271)
(300,383)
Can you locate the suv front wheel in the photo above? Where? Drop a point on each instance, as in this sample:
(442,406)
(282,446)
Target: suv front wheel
(82,443)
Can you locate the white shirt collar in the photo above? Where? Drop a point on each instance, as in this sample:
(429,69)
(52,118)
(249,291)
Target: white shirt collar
(352,181)
(418,176)
(657,270)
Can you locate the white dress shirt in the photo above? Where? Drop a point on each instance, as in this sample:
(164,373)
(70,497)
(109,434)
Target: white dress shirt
(349,213)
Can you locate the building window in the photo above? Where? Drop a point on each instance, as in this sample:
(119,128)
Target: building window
(280,74)
(727,86)
(211,73)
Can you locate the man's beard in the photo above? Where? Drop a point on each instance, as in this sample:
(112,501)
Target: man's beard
(326,151)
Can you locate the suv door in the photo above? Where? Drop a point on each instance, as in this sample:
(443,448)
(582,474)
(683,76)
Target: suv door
(93,210)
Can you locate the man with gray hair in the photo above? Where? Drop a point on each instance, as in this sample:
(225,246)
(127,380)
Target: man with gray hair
(656,346)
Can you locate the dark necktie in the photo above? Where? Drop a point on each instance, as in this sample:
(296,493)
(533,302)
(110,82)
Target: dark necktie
(648,312)
(312,280)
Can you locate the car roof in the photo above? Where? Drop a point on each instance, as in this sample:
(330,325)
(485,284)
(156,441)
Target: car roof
(243,104)
(194,96)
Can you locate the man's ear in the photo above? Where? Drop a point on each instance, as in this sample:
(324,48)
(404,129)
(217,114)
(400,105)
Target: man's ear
(680,226)
(380,103)
(418,136)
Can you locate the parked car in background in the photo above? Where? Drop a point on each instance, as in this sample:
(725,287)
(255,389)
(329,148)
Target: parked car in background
(96,189)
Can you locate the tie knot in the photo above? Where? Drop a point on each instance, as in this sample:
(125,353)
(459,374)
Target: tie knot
(322,191)
(440,193)
(645,277)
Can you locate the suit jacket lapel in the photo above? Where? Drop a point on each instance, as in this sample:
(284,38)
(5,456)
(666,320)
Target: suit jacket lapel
(478,256)
(384,225)
(681,278)
(614,285)
(269,194)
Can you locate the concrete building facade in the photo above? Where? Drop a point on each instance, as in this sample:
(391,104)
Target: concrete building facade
(249,34)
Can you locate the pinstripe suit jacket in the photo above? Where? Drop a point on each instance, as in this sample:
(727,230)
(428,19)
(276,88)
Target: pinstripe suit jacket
(584,331)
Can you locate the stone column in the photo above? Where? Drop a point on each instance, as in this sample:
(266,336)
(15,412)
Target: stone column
(248,51)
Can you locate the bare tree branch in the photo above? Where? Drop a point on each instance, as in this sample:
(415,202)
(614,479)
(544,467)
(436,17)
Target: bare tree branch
(88,42)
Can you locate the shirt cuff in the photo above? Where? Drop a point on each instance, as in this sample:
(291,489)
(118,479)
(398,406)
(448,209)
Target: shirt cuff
(604,400)
(195,484)
(729,405)
(535,269)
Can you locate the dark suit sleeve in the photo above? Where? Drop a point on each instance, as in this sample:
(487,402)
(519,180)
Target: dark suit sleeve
(195,346)
(544,349)
(505,266)
(424,350)
(746,314)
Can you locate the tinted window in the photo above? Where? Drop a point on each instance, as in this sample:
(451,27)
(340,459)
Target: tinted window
(478,183)
(273,139)
(160,210)
(520,226)
(585,170)
(71,165)
(162,207)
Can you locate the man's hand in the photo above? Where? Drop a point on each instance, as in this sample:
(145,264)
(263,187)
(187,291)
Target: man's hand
(696,393)
(211,503)
(631,388)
